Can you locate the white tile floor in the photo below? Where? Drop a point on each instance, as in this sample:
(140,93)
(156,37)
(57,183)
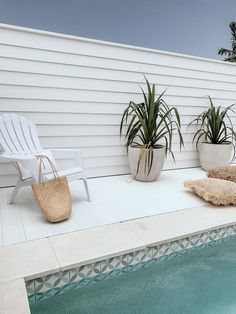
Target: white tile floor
(114,199)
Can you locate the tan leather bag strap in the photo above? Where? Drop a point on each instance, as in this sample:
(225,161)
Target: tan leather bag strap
(42,164)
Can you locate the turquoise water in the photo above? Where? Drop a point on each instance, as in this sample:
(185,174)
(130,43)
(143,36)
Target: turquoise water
(203,281)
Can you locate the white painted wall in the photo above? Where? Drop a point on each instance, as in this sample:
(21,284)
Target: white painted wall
(75,90)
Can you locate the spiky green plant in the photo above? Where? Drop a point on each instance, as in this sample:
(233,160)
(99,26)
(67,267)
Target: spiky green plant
(150,123)
(215,126)
(230,53)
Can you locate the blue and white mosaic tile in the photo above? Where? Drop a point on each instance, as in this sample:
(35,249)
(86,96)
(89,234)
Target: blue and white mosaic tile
(61,282)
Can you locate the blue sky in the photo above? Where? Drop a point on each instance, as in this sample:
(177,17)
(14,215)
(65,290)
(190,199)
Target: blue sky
(194,27)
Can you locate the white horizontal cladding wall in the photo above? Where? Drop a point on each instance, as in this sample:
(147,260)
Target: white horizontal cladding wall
(76,89)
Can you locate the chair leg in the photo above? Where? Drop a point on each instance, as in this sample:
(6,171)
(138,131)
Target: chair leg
(15,191)
(86,189)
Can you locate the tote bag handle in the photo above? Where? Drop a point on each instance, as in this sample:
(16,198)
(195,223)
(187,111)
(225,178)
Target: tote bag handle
(42,165)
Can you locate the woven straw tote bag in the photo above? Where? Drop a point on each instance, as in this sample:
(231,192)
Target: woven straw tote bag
(53,196)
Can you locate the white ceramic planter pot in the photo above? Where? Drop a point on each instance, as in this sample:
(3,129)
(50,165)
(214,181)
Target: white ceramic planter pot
(214,155)
(157,165)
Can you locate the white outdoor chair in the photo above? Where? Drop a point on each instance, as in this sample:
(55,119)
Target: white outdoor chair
(20,144)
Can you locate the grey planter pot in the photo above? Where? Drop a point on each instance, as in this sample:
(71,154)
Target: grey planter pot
(157,166)
(214,155)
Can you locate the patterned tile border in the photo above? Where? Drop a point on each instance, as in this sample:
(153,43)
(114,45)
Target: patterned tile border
(41,288)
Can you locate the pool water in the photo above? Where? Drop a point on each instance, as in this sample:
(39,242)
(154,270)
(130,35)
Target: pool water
(203,281)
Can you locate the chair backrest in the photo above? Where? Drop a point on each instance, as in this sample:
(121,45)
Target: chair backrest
(18,136)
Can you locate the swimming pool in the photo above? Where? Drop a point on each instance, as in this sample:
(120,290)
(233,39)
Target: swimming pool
(201,281)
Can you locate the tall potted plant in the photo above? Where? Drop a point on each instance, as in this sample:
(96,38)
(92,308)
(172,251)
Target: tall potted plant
(148,137)
(215,136)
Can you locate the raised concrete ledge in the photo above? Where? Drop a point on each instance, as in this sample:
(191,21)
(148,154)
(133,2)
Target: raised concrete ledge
(27,260)
(84,247)
(172,226)
(13,298)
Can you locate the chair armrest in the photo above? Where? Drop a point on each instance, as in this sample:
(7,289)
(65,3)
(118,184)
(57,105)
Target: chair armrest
(18,157)
(28,162)
(76,153)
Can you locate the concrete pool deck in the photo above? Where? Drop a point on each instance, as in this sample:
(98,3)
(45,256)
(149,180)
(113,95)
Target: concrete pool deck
(35,258)
(114,199)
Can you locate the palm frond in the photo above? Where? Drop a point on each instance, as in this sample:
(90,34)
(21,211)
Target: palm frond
(230,53)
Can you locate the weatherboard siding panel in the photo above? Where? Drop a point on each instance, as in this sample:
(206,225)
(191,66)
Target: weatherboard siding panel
(76,89)
(47,62)
(75,45)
